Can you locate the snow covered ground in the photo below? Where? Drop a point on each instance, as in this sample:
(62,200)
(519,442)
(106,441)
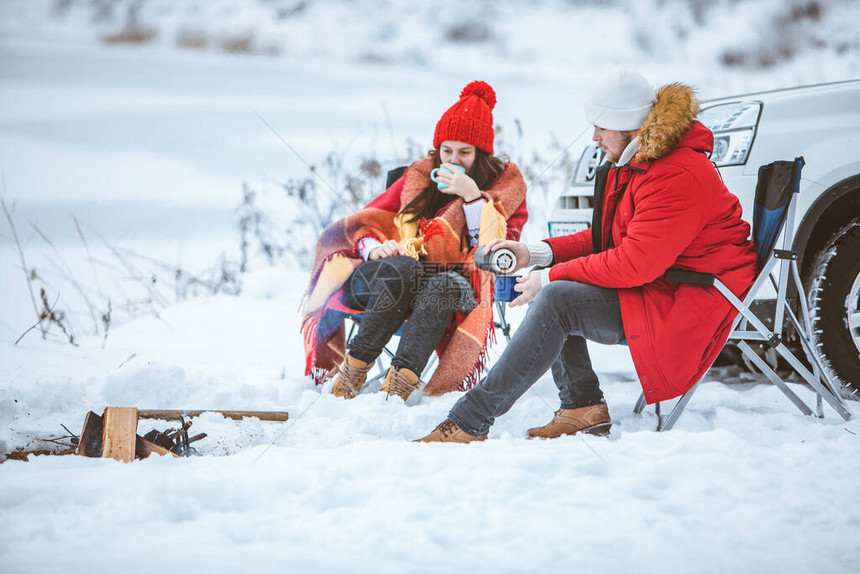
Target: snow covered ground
(744,483)
(147,147)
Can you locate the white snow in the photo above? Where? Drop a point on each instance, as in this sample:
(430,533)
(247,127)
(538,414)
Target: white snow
(148,147)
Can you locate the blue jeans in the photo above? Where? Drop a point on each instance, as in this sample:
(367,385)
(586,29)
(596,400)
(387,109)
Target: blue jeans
(392,289)
(563,315)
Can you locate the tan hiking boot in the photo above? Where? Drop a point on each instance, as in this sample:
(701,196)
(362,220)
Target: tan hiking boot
(400,382)
(593,419)
(351,374)
(447,431)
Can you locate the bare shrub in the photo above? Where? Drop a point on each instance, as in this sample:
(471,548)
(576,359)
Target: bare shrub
(373,57)
(789,32)
(137,285)
(270,49)
(132,32)
(291,11)
(278,224)
(238,44)
(247,43)
(281,222)
(192,39)
(471,32)
(50,314)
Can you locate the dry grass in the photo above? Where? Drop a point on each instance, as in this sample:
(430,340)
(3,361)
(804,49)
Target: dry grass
(243,43)
(238,44)
(132,33)
(472,32)
(192,39)
(785,39)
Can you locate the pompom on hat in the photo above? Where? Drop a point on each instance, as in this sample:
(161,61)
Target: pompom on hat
(620,101)
(470,120)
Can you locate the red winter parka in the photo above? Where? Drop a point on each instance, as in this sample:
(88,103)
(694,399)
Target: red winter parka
(668,208)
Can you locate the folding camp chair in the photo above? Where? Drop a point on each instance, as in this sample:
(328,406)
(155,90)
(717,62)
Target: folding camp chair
(778,184)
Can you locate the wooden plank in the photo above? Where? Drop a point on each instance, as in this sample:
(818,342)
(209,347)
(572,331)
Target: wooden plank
(144,448)
(166,415)
(91,436)
(120,433)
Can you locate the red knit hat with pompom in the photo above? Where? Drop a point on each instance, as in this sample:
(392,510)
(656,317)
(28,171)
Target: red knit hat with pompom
(471,119)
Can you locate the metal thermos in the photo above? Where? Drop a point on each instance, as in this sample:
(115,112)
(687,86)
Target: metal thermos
(501,261)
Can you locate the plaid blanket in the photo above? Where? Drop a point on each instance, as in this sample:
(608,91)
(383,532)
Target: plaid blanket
(463,350)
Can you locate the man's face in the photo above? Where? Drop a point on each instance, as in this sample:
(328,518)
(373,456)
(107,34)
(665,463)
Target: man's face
(612,142)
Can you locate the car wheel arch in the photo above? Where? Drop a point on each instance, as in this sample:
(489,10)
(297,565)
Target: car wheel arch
(833,209)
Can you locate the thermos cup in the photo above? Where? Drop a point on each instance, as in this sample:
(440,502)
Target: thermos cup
(501,261)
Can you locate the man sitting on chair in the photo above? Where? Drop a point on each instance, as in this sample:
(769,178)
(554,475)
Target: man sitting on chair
(659,204)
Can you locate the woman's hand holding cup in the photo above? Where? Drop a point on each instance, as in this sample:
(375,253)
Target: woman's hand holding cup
(451,178)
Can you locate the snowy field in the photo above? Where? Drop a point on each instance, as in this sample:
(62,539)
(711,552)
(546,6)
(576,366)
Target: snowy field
(147,147)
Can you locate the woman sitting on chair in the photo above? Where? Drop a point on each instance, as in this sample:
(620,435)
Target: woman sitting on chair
(408,254)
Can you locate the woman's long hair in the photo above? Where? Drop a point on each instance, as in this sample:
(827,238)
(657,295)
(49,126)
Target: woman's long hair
(485,169)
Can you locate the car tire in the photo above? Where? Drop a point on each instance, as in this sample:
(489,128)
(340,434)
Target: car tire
(834,304)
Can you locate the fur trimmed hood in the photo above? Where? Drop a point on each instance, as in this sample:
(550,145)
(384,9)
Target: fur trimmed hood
(670,117)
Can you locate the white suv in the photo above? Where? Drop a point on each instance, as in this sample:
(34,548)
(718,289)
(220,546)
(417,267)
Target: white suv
(820,123)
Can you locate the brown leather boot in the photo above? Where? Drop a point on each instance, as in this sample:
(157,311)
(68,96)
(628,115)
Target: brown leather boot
(351,374)
(593,419)
(447,431)
(400,382)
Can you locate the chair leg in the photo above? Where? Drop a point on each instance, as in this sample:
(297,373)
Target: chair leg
(381,370)
(666,423)
(773,377)
(819,372)
(502,322)
(834,401)
(805,332)
(640,404)
(679,408)
(434,359)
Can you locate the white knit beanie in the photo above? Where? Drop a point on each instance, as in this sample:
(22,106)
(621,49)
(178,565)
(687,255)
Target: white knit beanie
(620,100)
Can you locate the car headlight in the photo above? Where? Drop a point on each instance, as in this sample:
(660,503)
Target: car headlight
(733,126)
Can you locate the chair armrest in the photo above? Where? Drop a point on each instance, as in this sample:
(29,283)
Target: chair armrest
(692,277)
